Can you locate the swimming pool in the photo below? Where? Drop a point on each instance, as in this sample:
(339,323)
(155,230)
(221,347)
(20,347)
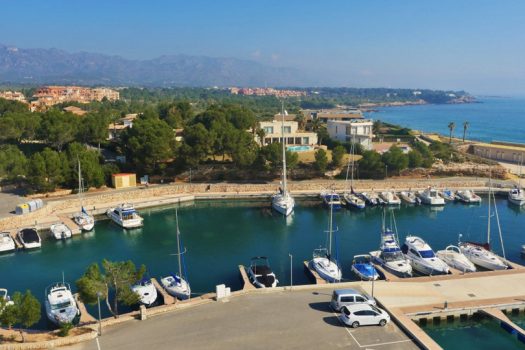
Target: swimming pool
(299,148)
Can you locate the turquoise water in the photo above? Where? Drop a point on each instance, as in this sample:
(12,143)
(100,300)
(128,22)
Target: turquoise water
(492,119)
(220,235)
(479,334)
(298,148)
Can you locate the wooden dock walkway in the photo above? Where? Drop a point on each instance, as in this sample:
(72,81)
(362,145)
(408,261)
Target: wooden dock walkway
(247,285)
(312,273)
(75,229)
(85,316)
(168,299)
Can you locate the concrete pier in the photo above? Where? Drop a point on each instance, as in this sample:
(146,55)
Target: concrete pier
(247,285)
(168,299)
(505,322)
(312,273)
(75,229)
(14,236)
(85,316)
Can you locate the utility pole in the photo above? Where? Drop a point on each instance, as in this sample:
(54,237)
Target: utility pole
(291,271)
(99,316)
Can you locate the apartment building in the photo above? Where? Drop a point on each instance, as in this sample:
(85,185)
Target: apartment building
(356,130)
(13,96)
(294,136)
(47,96)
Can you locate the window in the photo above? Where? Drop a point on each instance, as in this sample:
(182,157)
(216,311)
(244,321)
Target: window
(414,252)
(306,140)
(287,129)
(427,254)
(268,130)
(361,313)
(359,299)
(346,311)
(297,140)
(289,140)
(347,299)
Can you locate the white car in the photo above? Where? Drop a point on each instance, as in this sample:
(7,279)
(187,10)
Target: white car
(363,315)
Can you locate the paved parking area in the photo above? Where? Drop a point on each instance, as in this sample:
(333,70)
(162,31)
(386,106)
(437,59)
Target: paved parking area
(283,320)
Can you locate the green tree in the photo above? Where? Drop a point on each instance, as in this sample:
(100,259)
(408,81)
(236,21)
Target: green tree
(426,153)
(197,145)
(415,159)
(24,312)
(337,156)
(321,160)
(451,127)
(371,166)
(395,159)
(116,278)
(93,129)
(90,162)
(58,128)
(149,143)
(13,163)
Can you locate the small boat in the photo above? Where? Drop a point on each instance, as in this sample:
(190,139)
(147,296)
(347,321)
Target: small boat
(178,285)
(4,296)
(283,202)
(468,196)
(422,257)
(323,262)
(353,201)
(430,196)
(85,221)
(60,231)
(409,197)
(448,195)
(29,238)
(364,269)
(481,255)
(517,196)
(7,243)
(371,198)
(146,291)
(389,255)
(390,198)
(523,250)
(453,257)
(61,306)
(331,200)
(260,273)
(125,216)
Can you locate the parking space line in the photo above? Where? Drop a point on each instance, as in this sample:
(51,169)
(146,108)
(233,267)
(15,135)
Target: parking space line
(388,343)
(347,330)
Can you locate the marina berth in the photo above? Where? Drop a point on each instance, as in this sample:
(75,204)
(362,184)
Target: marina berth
(7,243)
(430,196)
(60,231)
(29,238)
(125,216)
(331,199)
(146,291)
(423,258)
(261,274)
(363,268)
(409,197)
(454,258)
(448,195)
(353,201)
(61,306)
(371,198)
(390,198)
(468,196)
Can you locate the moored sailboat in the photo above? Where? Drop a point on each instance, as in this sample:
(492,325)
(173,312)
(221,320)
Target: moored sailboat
(85,221)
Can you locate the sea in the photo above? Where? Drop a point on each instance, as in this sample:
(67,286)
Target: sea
(490,119)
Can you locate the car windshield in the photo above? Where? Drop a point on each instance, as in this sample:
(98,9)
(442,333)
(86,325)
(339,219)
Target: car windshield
(375,309)
(426,254)
(61,305)
(393,256)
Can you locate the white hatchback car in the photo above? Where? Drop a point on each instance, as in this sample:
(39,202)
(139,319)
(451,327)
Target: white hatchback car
(363,315)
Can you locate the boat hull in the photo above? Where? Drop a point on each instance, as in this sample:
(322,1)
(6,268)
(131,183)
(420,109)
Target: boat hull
(401,268)
(364,276)
(128,224)
(180,290)
(283,205)
(326,269)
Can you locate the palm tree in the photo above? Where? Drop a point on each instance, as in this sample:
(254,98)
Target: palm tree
(451,127)
(465,127)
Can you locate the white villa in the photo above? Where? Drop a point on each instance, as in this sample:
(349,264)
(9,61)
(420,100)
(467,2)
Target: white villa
(360,130)
(294,136)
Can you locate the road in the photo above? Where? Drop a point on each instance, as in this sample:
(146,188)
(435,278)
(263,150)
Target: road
(284,320)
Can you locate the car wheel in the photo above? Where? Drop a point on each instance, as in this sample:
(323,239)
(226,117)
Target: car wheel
(355,324)
(382,323)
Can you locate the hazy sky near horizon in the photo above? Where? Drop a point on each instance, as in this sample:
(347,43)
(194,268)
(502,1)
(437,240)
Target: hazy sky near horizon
(476,45)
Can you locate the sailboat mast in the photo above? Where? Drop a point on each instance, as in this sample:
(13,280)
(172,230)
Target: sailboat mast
(178,244)
(284,148)
(353,164)
(488,220)
(330,229)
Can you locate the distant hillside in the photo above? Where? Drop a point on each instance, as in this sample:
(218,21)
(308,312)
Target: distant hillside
(53,66)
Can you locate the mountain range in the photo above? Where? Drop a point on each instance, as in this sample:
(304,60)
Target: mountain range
(54,66)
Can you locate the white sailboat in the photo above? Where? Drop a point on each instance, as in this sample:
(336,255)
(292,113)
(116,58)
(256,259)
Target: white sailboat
(61,306)
(517,195)
(283,201)
(146,291)
(85,221)
(323,262)
(7,243)
(480,253)
(390,197)
(351,199)
(178,285)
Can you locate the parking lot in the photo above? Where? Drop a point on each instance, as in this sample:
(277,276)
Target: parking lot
(281,320)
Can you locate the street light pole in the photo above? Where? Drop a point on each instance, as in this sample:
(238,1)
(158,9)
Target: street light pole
(99,317)
(291,271)
(373,280)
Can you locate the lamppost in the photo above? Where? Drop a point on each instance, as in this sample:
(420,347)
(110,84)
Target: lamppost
(373,280)
(291,270)
(99,294)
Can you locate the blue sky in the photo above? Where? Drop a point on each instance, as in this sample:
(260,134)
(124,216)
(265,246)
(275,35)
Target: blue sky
(477,45)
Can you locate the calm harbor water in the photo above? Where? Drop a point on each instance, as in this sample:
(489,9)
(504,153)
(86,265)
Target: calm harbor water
(493,119)
(220,235)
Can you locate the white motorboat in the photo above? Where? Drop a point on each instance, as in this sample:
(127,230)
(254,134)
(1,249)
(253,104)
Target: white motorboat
(390,198)
(430,196)
(60,231)
(409,197)
(389,255)
(323,262)
(85,221)
(517,196)
(448,195)
(422,257)
(468,196)
(351,199)
(283,201)
(7,243)
(178,285)
(363,268)
(331,199)
(61,306)
(29,238)
(261,274)
(146,291)
(371,198)
(4,295)
(480,253)
(125,216)
(453,257)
